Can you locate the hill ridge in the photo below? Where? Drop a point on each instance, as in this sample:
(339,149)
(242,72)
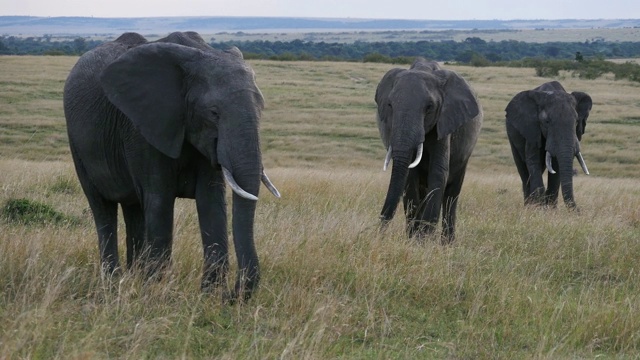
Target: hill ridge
(213,24)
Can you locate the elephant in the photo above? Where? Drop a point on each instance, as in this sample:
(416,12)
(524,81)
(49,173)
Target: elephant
(545,126)
(429,120)
(149,122)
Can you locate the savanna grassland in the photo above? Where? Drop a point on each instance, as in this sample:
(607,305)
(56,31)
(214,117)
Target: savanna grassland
(518,283)
(543,35)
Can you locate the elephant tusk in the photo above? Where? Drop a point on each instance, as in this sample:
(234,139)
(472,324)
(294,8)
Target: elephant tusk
(582,163)
(548,162)
(418,157)
(269,185)
(235,187)
(387,159)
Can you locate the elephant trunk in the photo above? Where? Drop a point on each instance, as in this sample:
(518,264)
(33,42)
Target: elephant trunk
(399,174)
(248,277)
(240,158)
(407,140)
(565,169)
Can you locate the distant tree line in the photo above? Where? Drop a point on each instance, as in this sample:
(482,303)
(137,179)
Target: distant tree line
(392,51)
(12,45)
(459,51)
(586,59)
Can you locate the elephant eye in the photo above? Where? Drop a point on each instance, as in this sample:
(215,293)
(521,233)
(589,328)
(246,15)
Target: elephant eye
(429,107)
(213,112)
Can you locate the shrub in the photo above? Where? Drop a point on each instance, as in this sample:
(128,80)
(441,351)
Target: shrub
(25,211)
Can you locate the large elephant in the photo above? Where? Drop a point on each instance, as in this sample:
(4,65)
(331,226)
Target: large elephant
(545,126)
(152,121)
(429,120)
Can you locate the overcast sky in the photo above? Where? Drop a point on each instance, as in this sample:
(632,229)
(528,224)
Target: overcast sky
(365,9)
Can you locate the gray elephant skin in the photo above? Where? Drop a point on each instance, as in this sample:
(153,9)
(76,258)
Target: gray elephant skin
(545,126)
(152,121)
(429,120)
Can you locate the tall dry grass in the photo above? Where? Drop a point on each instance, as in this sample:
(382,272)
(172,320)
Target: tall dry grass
(518,283)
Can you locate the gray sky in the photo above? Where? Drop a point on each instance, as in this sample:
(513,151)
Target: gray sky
(365,9)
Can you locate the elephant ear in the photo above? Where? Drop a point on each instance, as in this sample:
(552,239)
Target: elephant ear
(146,84)
(382,100)
(423,64)
(583,107)
(524,114)
(459,104)
(235,52)
(188,38)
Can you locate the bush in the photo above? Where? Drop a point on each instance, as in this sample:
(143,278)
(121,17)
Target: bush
(627,70)
(27,212)
(585,69)
(547,71)
(478,60)
(376,58)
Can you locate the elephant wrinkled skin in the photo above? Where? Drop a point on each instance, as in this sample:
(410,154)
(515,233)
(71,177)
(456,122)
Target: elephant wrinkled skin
(429,120)
(152,121)
(545,126)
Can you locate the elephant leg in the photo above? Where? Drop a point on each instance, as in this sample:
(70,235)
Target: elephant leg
(430,176)
(521,165)
(432,188)
(134,221)
(105,216)
(535,166)
(411,202)
(158,216)
(553,186)
(212,217)
(429,210)
(450,207)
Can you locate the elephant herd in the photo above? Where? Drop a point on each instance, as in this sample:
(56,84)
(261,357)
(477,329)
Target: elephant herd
(149,122)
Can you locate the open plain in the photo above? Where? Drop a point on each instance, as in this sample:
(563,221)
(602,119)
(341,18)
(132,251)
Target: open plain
(518,282)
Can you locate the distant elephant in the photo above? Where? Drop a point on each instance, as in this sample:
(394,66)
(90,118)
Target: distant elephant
(545,126)
(429,120)
(150,122)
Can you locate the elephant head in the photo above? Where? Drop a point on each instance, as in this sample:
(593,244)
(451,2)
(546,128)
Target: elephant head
(174,93)
(551,121)
(422,103)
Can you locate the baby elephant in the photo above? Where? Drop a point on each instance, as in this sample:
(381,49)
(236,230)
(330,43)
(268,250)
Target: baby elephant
(545,126)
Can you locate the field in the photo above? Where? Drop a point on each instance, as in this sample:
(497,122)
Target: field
(518,283)
(526,35)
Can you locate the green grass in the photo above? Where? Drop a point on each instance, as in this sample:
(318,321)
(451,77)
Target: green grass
(518,283)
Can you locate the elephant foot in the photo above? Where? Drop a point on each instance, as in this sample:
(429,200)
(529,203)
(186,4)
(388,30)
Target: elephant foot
(242,291)
(536,203)
(384,223)
(231,298)
(111,276)
(420,229)
(236,297)
(447,239)
(208,286)
(573,207)
(111,269)
(214,277)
